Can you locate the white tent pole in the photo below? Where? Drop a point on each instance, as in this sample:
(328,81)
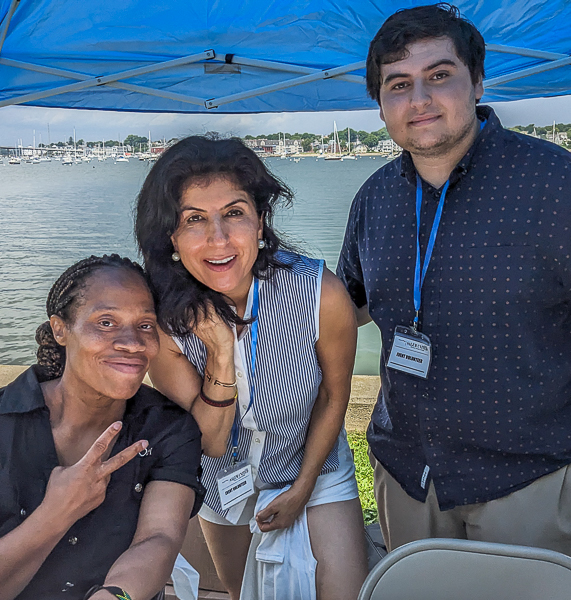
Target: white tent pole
(525,52)
(526,72)
(285,67)
(6,24)
(282,85)
(87,81)
(158,93)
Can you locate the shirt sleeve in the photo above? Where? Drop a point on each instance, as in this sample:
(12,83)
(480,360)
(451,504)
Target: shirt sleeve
(349,265)
(179,453)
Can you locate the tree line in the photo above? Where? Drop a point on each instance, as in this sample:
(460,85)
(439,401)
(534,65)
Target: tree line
(368,138)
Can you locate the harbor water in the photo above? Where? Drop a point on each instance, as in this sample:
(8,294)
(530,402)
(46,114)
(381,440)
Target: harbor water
(53,215)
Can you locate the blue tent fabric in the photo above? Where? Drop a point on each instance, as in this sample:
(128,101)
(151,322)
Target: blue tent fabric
(70,41)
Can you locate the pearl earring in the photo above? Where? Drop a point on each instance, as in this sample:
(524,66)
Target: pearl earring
(261,244)
(175,256)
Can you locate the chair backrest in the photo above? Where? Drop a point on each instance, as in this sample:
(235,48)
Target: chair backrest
(443,569)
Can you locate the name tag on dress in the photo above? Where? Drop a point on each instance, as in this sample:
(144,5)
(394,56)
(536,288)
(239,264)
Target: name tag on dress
(235,484)
(411,352)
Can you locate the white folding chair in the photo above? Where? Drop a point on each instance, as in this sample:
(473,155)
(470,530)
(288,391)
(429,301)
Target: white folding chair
(446,569)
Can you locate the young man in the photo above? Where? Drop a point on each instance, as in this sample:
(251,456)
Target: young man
(459,251)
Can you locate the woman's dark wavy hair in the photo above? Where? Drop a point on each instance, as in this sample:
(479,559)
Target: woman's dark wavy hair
(64,298)
(180,297)
(411,25)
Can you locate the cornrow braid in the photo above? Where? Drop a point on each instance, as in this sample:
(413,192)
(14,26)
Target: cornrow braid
(63,299)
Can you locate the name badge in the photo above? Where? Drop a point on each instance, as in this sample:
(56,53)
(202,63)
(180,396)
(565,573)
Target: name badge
(235,484)
(411,352)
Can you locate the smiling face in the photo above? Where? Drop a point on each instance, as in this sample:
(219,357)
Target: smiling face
(113,335)
(428,100)
(217,236)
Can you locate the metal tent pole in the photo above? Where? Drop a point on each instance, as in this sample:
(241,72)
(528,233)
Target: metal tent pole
(6,23)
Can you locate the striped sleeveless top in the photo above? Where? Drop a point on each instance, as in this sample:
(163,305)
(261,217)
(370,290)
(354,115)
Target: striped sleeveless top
(287,376)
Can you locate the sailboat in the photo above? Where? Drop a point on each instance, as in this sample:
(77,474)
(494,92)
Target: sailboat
(336,154)
(349,156)
(283,154)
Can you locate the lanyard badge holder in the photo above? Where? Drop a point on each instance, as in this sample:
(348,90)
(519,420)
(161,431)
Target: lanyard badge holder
(411,351)
(236,482)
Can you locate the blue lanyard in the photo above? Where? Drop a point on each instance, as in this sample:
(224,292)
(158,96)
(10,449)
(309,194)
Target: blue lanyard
(418,277)
(237,419)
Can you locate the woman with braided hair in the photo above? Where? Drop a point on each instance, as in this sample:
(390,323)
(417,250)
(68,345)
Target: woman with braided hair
(98,473)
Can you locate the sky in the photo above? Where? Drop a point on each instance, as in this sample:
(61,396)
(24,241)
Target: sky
(19,122)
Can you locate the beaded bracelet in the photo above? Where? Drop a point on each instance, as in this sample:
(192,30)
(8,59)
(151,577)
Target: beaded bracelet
(218,403)
(112,589)
(217,381)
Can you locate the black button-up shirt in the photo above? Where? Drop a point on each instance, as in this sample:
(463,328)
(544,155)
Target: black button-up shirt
(85,554)
(495,411)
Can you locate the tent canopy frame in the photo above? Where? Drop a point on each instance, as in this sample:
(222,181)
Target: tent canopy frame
(83,81)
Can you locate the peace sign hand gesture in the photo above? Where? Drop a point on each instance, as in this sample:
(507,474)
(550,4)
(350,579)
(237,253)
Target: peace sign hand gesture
(75,491)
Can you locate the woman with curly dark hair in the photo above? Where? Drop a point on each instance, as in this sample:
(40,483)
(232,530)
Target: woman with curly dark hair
(98,474)
(258,344)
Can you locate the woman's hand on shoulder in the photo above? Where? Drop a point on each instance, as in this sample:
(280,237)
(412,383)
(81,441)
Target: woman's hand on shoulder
(74,491)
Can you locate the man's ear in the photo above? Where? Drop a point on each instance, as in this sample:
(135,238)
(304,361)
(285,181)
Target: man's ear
(479,90)
(59,330)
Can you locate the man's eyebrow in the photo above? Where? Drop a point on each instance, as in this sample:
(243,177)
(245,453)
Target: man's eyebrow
(438,63)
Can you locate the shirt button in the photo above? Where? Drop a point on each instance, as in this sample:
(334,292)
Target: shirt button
(72,540)
(23,512)
(239,373)
(138,487)
(244,406)
(257,440)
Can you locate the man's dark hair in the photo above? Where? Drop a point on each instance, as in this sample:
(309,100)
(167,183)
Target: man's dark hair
(199,160)
(65,296)
(411,25)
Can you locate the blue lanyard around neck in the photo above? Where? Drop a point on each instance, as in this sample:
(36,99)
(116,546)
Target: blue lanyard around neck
(254,344)
(418,276)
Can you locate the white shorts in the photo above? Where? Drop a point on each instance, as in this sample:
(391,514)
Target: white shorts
(337,486)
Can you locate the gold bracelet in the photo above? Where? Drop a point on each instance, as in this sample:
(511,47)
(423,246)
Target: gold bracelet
(217,381)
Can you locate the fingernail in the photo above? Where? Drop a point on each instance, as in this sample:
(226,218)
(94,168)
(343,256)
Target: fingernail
(144,443)
(117,425)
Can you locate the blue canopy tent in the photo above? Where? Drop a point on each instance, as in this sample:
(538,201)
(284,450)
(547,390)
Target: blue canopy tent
(248,56)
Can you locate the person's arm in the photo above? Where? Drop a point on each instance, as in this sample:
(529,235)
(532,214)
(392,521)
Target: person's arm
(143,570)
(175,377)
(349,268)
(362,315)
(336,354)
(72,492)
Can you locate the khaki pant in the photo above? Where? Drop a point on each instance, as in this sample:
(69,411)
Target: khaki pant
(538,515)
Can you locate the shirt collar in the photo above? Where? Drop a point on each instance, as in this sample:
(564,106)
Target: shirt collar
(24,394)
(408,171)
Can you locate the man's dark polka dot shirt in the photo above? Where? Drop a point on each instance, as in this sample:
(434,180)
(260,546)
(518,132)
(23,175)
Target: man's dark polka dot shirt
(495,411)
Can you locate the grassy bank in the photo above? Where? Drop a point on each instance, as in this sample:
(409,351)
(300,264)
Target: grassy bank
(364,475)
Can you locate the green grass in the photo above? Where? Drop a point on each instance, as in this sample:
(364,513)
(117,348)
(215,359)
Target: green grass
(364,475)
